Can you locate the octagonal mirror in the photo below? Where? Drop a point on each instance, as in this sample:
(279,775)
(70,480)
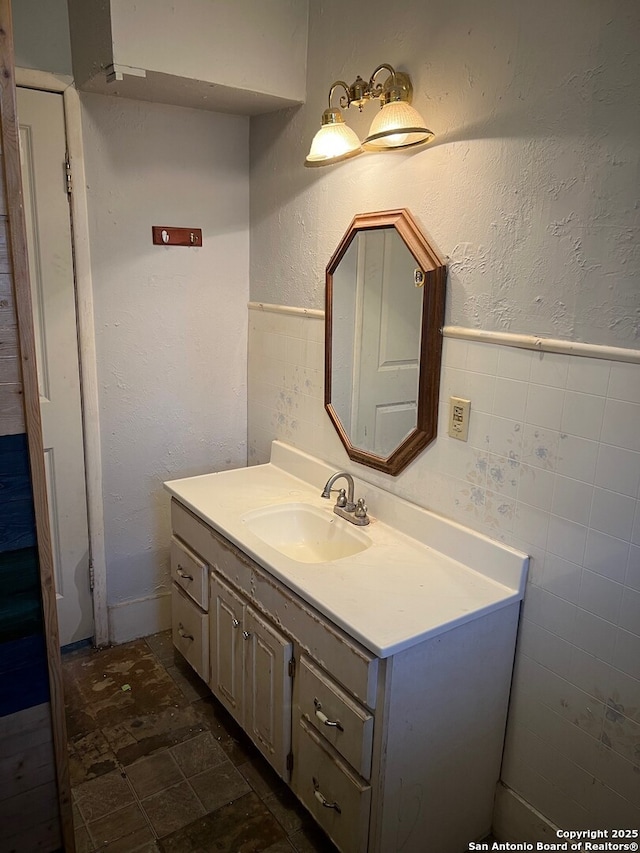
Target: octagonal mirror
(385,293)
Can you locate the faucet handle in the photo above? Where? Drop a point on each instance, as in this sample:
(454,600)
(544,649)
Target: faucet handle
(342,498)
(361,509)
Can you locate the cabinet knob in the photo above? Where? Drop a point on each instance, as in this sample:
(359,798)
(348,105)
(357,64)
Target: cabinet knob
(246,634)
(235,623)
(322,799)
(181,572)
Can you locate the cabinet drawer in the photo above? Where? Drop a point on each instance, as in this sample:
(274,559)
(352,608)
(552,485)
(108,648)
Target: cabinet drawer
(336,798)
(189,572)
(336,716)
(190,631)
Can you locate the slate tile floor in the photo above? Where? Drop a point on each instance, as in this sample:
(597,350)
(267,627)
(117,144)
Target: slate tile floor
(158,766)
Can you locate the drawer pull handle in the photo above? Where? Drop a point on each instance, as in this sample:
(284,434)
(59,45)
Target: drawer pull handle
(246,634)
(335,724)
(235,623)
(322,799)
(183,633)
(185,575)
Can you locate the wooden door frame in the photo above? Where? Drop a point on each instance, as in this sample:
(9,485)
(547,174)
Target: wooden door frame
(43,81)
(17,247)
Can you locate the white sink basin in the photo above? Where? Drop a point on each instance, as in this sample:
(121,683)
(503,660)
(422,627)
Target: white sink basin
(305,533)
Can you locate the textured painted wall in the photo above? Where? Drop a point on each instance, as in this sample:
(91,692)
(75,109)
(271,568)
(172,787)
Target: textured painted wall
(170,322)
(530,187)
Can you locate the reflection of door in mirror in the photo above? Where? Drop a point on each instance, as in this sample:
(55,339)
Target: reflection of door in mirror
(377,332)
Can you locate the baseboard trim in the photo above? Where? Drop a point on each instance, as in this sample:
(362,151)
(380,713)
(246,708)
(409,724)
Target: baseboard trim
(130,620)
(514,819)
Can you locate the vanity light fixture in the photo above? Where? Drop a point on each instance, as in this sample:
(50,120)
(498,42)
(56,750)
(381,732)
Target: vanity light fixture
(334,142)
(397,125)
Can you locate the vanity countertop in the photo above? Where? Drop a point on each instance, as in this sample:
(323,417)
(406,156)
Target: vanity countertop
(422,575)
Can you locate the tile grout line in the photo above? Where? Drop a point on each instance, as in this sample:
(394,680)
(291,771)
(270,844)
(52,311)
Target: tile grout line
(139,803)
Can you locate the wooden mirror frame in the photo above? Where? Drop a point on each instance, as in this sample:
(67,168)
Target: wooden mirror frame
(434,268)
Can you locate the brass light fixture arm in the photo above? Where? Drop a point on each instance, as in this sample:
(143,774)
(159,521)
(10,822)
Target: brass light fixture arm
(344,100)
(376,91)
(397,87)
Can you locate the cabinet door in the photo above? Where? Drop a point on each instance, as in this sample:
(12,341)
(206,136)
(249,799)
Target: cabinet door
(268,683)
(226,610)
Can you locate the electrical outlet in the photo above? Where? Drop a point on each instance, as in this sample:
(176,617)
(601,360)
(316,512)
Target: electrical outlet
(459,418)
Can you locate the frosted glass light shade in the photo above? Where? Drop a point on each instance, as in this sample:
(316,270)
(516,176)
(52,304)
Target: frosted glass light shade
(335,141)
(397,125)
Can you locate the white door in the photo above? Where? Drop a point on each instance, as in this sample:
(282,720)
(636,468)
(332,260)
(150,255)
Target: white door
(43,155)
(388,325)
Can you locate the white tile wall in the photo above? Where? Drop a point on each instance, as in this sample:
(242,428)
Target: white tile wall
(552,466)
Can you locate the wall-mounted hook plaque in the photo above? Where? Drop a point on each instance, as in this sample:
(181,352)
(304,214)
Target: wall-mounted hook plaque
(164,235)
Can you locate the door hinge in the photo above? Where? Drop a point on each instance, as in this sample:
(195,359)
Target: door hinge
(67,172)
(292,667)
(290,762)
(92,575)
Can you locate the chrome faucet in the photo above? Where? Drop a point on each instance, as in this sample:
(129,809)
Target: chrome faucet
(345,505)
(326,492)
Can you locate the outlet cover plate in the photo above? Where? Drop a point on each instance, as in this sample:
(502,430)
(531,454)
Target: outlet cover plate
(459,412)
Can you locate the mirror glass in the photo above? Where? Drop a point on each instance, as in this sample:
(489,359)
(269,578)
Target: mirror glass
(377,323)
(385,299)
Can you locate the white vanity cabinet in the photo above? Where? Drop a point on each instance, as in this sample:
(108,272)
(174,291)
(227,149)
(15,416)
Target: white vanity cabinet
(398,752)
